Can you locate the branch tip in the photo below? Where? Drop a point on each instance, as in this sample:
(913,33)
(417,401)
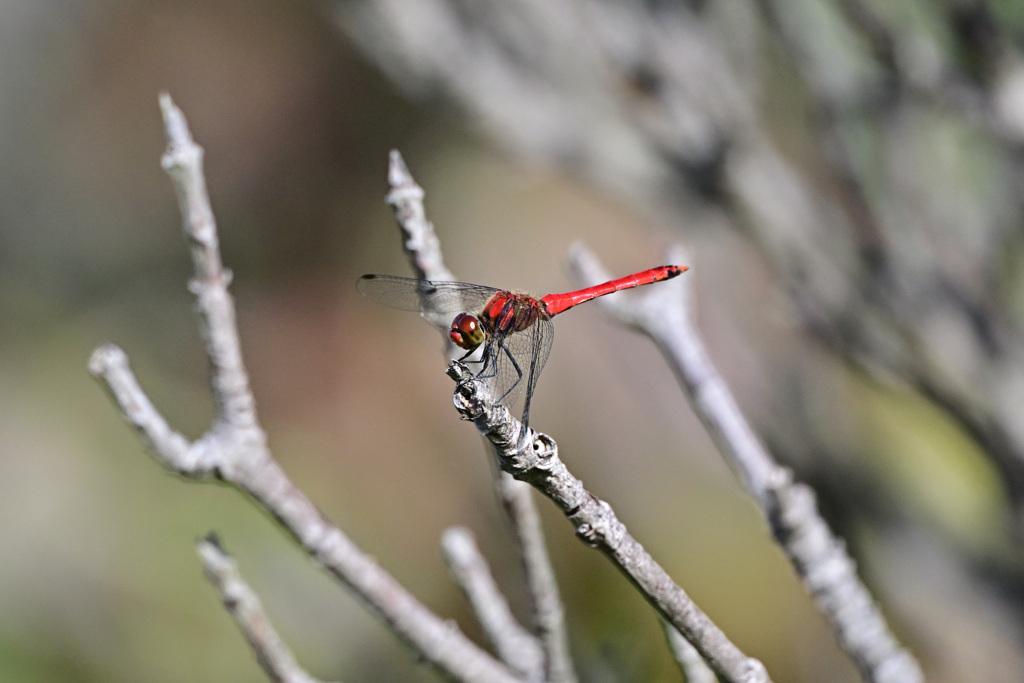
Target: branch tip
(213,538)
(212,553)
(585,266)
(398,171)
(403,187)
(106,357)
(175,123)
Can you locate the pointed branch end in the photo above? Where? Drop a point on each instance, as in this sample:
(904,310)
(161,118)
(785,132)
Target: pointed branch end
(107,358)
(213,555)
(398,172)
(175,124)
(403,187)
(179,138)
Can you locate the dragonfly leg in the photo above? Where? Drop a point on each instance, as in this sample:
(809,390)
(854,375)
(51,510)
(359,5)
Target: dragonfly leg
(519,373)
(484,361)
(489,369)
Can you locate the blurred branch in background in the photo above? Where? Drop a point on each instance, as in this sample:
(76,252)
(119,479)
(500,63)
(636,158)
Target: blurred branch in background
(666,315)
(892,254)
(244,606)
(871,154)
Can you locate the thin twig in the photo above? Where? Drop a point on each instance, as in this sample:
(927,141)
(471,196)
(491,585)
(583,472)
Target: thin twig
(423,248)
(235,449)
(661,313)
(183,162)
(694,668)
(548,610)
(418,236)
(515,646)
(595,523)
(244,606)
(665,314)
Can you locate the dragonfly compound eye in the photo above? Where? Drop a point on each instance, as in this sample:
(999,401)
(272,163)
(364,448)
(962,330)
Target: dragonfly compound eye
(466,331)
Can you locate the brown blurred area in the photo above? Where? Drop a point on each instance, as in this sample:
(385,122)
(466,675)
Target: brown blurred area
(99,580)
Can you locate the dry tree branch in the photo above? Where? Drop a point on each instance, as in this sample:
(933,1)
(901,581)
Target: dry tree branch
(665,314)
(532,457)
(422,246)
(244,606)
(515,646)
(234,449)
(419,240)
(690,663)
(542,587)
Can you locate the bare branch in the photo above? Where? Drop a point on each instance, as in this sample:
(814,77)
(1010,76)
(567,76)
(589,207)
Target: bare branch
(235,449)
(515,646)
(661,313)
(830,574)
(418,237)
(183,162)
(693,667)
(548,610)
(665,314)
(244,606)
(110,363)
(532,457)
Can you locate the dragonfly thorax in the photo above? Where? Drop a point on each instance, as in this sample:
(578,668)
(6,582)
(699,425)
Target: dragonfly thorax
(508,312)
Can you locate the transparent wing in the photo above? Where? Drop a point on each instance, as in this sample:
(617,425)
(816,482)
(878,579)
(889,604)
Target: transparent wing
(437,302)
(517,361)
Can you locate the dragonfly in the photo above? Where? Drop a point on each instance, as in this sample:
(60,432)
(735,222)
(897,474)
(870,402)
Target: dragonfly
(507,334)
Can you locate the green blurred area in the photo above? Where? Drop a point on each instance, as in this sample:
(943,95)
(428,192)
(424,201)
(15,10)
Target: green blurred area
(99,580)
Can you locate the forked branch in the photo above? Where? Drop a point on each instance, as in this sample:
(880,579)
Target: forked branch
(234,449)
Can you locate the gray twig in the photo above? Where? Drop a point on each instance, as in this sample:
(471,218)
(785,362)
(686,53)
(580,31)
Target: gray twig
(694,668)
(532,457)
(515,646)
(244,606)
(235,450)
(665,314)
(548,610)
(418,237)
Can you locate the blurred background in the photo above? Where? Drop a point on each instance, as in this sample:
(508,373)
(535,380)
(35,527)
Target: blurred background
(846,175)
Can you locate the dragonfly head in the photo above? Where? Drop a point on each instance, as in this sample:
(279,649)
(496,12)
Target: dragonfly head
(466,332)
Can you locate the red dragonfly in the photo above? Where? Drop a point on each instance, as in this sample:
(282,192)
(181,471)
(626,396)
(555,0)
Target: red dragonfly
(512,331)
